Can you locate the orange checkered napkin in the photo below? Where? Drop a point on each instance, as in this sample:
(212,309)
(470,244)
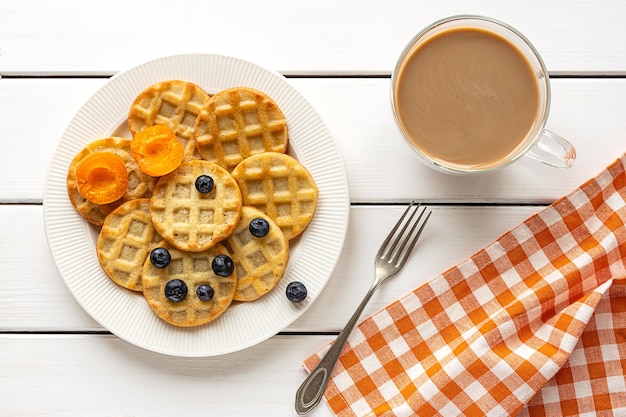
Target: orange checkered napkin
(532,325)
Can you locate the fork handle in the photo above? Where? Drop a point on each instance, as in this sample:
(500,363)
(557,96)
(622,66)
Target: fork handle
(312,388)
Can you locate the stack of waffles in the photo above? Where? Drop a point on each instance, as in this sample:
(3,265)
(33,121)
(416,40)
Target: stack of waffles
(238,139)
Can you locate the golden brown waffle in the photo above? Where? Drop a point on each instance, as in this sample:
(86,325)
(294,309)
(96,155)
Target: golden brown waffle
(125,240)
(172,103)
(260,261)
(188,219)
(279,186)
(194,269)
(239,122)
(140,185)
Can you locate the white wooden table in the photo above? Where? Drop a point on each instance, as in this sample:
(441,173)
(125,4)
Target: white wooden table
(56,361)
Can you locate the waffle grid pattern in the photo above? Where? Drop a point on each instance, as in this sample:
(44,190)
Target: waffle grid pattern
(279,186)
(125,241)
(194,269)
(140,185)
(190,220)
(237,123)
(260,262)
(175,104)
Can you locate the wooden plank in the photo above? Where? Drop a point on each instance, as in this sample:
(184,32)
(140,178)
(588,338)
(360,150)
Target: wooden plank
(35,298)
(103,376)
(75,373)
(74,37)
(31,134)
(380,166)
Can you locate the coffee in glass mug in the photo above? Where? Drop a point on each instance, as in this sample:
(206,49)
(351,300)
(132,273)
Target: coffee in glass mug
(471,94)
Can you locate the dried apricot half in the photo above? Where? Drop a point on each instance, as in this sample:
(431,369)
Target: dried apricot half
(157,150)
(102,177)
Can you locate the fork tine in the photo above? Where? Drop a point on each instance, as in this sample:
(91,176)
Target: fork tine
(405,254)
(400,237)
(404,238)
(384,250)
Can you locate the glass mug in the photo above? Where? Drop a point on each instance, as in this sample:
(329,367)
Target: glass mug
(471,94)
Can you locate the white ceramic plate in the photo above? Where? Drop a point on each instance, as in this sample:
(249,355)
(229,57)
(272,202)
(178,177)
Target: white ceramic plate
(126,314)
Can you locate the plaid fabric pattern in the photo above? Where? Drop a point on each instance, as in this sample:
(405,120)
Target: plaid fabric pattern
(532,325)
(592,382)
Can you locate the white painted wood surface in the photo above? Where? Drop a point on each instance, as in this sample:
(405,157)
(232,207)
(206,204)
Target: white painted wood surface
(37,287)
(307,37)
(56,361)
(380,166)
(102,376)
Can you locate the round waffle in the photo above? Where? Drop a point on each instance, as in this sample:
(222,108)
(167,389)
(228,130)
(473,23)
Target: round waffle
(260,261)
(239,122)
(194,269)
(125,240)
(191,220)
(279,186)
(139,184)
(172,103)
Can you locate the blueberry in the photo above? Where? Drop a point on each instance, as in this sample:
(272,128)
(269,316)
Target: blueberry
(175,290)
(160,257)
(204,184)
(223,265)
(296,292)
(205,292)
(259,227)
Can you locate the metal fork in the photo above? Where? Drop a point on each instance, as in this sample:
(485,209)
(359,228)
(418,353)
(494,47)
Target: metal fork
(389,260)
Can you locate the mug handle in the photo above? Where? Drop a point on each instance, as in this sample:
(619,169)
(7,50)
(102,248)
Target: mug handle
(551,149)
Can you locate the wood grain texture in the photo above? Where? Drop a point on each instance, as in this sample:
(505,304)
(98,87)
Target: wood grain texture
(57,361)
(102,376)
(321,37)
(38,300)
(380,166)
